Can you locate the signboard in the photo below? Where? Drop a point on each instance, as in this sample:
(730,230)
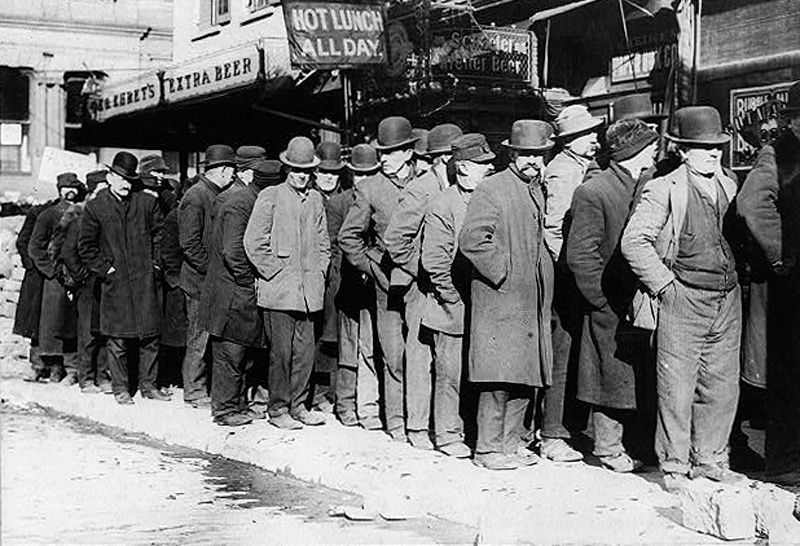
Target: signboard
(643,64)
(225,70)
(56,161)
(335,34)
(755,120)
(126,96)
(501,55)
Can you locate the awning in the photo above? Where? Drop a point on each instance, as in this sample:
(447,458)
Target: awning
(552,12)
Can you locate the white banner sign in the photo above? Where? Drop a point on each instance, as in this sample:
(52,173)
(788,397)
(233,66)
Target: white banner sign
(127,96)
(56,161)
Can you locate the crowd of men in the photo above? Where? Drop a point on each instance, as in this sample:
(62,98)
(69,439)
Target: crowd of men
(415,289)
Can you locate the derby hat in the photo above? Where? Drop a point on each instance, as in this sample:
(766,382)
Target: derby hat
(441,137)
(575,120)
(472,147)
(530,134)
(363,159)
(699,125)
(248,156)
(94,178)
(124,165)
(218,155)
(638,106)
(394,132)
(68,180)
(152,163)
(300,154)
(421,145)
(793,104)
(267,172)
(330,155)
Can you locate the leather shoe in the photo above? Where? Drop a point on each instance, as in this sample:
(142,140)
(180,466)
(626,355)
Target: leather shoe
(35,375)
(675,482)
(559,451)
(459,450)
(496,461)
(716,473)
(371,423)
(70,379)
(622,463)
(397,435)
(285,422)
(90,389)
(156,394)
(420,440)
(199,403)
(348,419)
(57,373)
(106,387)
(123,398)
(309,418)
(233,420)
(256,413)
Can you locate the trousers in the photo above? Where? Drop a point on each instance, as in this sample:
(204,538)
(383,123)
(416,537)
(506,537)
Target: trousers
(118,363)
(447,424)
(419,363)
(609,428)
(195,370)
(92,353)
(291,359)
(357,383)
(228,388)
(389,312)
(501,416)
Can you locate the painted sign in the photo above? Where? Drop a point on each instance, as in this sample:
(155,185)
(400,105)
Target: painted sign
(228,69)
(335,34)
(126,96)
(56,161)
(641,65)
(755,120)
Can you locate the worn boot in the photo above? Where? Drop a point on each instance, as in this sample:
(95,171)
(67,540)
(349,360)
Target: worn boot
(57,373)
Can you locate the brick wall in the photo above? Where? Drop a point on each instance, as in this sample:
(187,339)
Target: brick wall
(11,274)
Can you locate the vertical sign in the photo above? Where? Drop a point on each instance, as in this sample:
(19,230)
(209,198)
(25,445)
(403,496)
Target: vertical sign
(755,120)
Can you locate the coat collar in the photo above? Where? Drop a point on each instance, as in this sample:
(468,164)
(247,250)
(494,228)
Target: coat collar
(209,183)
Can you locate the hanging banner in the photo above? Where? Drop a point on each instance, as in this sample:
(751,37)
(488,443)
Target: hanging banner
(755,120)
(127,96)
(335,34)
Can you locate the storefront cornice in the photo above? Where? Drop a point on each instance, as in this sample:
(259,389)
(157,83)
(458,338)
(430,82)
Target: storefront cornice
(91,28)
(788,59)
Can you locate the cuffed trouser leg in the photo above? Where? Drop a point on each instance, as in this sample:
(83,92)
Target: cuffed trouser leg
(447,422)
(118,364)
(35,357)
(608,425)
(367,377)
(291,357)
(419,360)
(491,418)
(347,366)
(87,343)
(553,407)
(514,419)
(302,361)
(389,314)
(227,389)
(148,364)
(195,376)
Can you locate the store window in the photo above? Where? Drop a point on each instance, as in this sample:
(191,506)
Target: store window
(14,121)
(258,6)
(214,12)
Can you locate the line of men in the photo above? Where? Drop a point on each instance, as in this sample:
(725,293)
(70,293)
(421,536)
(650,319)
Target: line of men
(600,264)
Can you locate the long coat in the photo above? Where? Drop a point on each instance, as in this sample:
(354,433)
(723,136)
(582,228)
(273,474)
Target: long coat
(229,308)
(611,348)
(80,275)
(125,234)
(512,282)
(174,322)
(769,202)
(194,219)
(353,290)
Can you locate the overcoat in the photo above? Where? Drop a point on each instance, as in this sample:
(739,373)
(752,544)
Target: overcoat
(194,219)
(287,241)
(174,322)
(229,309)
(563,175)
(512,282)
(352,288)
(125,234)
(611,348)
(67,257)
(769,202)
(335,210)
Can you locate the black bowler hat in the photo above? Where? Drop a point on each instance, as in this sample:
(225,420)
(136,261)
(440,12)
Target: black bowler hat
(638,106)
(218,155)
(441,137)
(394,132)
(531,135)
(699,125)
(363,159)
(125,164)
(330,154)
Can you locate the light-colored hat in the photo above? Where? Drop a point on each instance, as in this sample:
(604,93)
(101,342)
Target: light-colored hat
(300,154)
(575,119)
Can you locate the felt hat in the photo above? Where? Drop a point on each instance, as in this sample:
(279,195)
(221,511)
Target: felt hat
(574,120)
(219,155)
(363,159)
(300,154)
(441,137)
(472,147)
(793,104)
(247,156)
(94,178)
(394,132)
(330,155)
(700,125)
(267,172)
(152,163)
(628,137)
(637,106)
(530,134)
(125,164)
(421,145)
(68,180)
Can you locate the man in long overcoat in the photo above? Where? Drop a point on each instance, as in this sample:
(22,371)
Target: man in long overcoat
(119,241)
(287,241)
(194,221)
(769,201)
(512,287)
(57,334)
(362,239)
(403,238)
(229,310)
(611,349)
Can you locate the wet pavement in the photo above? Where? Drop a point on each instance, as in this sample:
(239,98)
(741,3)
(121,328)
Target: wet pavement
(72,481)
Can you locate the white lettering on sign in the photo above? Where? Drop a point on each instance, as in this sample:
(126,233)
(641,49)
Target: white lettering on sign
(640,65)
(330,18)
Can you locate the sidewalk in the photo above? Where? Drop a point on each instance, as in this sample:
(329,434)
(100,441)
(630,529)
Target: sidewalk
(544,504)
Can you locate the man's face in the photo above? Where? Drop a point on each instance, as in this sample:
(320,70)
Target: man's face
(529,163)
(794,125)
(69,194)
(470,174)
(393,161)
(327,180)
(585,145)
(245,175)
(119,186)
(226,174)
(299,178)
(422,165)
(705,160)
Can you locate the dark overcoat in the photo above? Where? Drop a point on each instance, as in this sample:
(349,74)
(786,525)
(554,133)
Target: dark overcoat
(611,348)
(125,234)
(352,290)
(512,282)
(79,274)
(194,219)
(174,322)
(229,308)
(769,202)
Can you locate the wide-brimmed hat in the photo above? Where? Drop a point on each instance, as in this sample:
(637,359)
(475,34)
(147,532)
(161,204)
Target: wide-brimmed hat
(219,155)
(472,147)
(698,125)
(638,106)
(394,132)
(530,134)
(441,137)
(363,159)
(575,120)
(94,178)
(421,145)
(125,165)
(330,155)
(247,156)
(68,180)
(300,154)
(793,102)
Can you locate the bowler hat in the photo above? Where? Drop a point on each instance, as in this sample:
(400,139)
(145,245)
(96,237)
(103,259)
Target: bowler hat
(267,172)
(363,159)
(441,137)
(125,164)
(394,132)
(152,163)
(94,178)
(300,154)
(248,156)
(421,145)
(472,147)
(698,125)
(530,134)
(793,104)
(574,120)
(68,180)
(638,106)
(330,155)
(218,155)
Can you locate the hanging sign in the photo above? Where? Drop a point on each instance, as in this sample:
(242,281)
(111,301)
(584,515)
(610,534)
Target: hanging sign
(126,96)
(335,34)
(755,120)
